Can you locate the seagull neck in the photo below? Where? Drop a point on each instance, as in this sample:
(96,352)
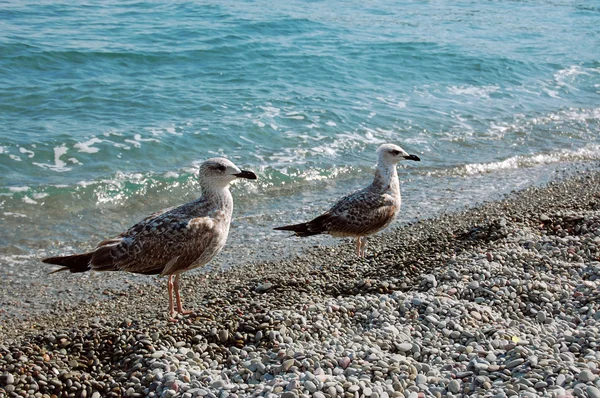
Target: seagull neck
(386,178)
(219,196)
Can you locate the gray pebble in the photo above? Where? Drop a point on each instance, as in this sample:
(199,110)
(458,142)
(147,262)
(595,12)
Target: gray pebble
(454,386)
(514,363)
(405,347)
(592,392)
(586,375)
(541,316)
(474,285)
(310,386)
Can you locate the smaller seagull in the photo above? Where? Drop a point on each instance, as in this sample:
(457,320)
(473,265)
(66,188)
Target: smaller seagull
(366,211)
(173,240)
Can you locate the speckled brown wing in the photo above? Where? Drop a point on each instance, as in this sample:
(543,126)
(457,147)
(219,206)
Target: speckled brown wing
(361,213)
(169,240)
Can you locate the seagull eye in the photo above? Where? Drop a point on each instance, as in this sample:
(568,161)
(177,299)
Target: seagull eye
(221,167)
(395,152)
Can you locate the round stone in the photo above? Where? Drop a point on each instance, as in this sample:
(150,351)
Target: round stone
(541,316)
(586,375)
(310,386)
(593,392)
(454,386)
(405,347)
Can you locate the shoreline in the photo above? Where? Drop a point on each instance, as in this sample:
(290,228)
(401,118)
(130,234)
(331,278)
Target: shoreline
(465,303)
(29,291)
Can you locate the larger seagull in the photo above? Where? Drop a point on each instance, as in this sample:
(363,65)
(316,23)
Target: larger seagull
(366,211)
(171,241)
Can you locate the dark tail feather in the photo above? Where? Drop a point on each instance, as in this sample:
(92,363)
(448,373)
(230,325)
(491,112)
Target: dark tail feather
(74,263)
(301,230)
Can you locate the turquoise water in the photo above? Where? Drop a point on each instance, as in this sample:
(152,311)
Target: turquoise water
(107,108)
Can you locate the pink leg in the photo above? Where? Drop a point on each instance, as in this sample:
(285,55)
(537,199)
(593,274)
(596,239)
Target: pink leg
(358,246)
(364,246)
(178,297)
(172,312)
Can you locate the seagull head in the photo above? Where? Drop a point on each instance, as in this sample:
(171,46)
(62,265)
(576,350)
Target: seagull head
(220,172)
(390,154)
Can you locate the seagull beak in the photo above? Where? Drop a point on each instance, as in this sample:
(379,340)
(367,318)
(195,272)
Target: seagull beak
(413,157)
(246,174)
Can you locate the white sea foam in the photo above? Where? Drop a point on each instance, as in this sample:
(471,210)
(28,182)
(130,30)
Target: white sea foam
(171,130)
(40,195)
(463,125)
(321,174)
(572,114)
(29,153)
(331,123)
(59,165)
(420,139)
(244,138)
(473,91)
(87,147)
(2,149)
(373,136)
(588,153)
(393,102)
(569,74)
(13,214)
(86,183)
(270,111)
(18,189)
(15,158)
(136,144)
(294,115)
(325,149)
(28,200)
(314,175)
(113,133)
(138,139)
(498,129)
(480,168)
(122,146)
(104,197)
(552,93)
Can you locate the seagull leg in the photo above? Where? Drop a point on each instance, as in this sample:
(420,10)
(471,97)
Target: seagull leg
(358,246)
(178,298)
(172,312)
(364,246)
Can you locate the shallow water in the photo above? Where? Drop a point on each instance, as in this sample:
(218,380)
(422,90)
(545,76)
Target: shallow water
(106,109)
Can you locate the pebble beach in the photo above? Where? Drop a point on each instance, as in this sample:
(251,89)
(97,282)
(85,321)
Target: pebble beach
(499,300)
